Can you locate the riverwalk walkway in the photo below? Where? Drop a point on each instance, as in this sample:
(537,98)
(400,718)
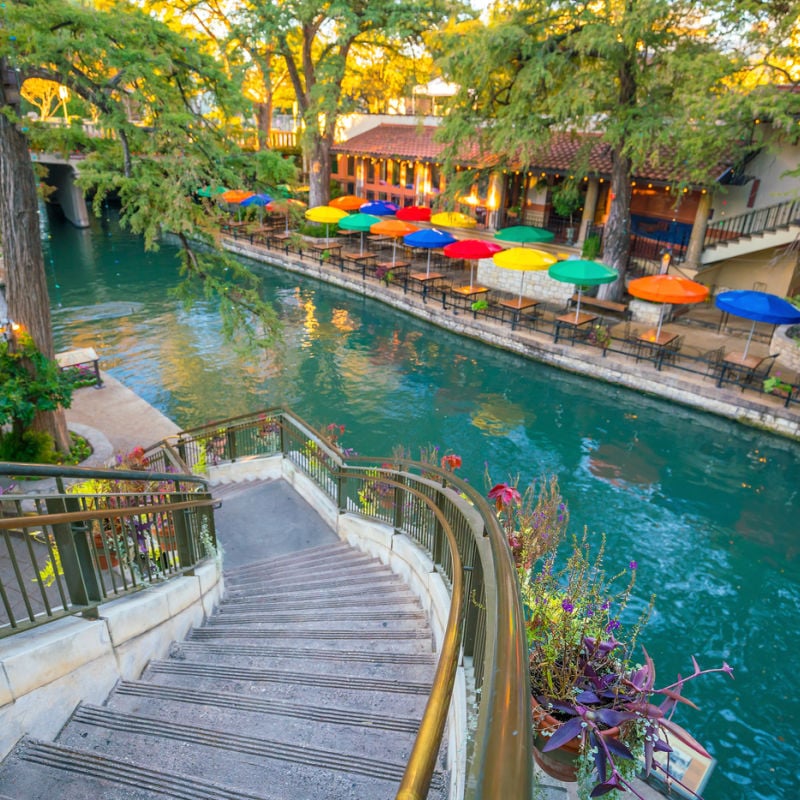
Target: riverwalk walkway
(687,380)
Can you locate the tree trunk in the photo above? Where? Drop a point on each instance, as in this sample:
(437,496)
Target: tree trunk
(617,235)
(26,283)
(319,169)
(264,123)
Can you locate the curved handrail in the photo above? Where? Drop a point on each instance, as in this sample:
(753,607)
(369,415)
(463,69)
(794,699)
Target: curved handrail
(501,765)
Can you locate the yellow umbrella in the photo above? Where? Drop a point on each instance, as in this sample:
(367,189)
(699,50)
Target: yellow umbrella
(453,219)
(325,215)
(523,259)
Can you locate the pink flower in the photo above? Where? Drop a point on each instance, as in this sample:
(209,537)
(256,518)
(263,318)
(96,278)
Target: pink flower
(504,495)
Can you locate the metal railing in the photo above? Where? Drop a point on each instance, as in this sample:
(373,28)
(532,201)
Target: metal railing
(72,538)
(455,525)
(760,220)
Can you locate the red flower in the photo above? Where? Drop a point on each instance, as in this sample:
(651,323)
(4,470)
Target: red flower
(451,462)
(504,495)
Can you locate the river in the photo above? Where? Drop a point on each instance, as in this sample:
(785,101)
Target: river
(708,509)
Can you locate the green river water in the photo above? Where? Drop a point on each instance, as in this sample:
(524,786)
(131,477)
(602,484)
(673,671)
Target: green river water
(707,508)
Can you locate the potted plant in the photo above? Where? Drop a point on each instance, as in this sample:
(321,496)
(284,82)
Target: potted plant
(774,384)
(598,715)
(566,200)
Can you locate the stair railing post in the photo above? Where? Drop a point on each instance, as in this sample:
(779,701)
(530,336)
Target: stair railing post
(75,553)
(398,506)
(230,438)
(182,527)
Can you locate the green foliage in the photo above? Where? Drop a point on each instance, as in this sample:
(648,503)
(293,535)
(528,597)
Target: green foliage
(31,383)
(591,247)
(566,199)
(31,447)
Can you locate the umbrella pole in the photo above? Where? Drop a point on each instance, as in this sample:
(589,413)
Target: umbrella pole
(428,270)
(361,249)
(471,271)
(521,284)
(749,338)
(578,306)
(660,321)
(394,251)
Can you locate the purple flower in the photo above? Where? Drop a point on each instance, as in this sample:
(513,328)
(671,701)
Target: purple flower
(567,606)
(612,625)
(633,565)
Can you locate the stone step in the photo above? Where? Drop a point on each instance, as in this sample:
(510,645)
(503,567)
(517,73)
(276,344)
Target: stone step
(302,558)
(247,763)
(349,561)
(406,640)
(358,583)
(355,596)
(371,733)
(340,688)
(363,577)
(46,771)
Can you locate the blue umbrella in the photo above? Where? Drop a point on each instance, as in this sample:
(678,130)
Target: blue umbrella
(759,307)
(379,208)
(430,239)
(256,200)
(259,200)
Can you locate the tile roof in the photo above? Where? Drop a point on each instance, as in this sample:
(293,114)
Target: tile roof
(560,154)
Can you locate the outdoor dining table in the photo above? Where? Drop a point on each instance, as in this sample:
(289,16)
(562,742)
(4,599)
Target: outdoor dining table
(470,293)
(517,305)
(657,342)
(332,248)
(573,323)
(427,279)
(741,365)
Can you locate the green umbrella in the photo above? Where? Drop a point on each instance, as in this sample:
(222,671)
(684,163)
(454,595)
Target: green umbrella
(208,191)
(524,234)
(582,273)
(358,222)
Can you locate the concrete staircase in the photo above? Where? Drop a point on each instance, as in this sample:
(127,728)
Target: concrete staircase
(307,683)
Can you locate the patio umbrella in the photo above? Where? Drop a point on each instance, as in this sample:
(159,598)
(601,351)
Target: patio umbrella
(284,205)
(430,239)
(582,273)
(453,219)
(472,250)
(523,259)
(235,195)
(380,208)
(261,200)
(665,289)
(394,228)
(325,215)
(524,234)
(347,202)
(211,191)
(414,214)
(759,307)
(358,222)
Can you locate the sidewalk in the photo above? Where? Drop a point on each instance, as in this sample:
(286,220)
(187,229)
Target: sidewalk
(677,386)
(115,420)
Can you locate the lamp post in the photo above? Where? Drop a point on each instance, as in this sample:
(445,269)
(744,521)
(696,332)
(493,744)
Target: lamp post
(63,93)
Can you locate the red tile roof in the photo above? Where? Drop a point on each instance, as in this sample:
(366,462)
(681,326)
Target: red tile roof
(417,142)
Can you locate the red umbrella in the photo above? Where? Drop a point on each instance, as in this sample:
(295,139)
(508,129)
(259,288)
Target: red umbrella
(472,250)
(414,214)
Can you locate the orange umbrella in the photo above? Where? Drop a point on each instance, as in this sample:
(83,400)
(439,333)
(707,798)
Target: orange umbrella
(394,228)
(235,195)
(671,289)
(347,202)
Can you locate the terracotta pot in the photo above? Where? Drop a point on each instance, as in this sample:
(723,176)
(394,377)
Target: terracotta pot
(101,553)
(561,763)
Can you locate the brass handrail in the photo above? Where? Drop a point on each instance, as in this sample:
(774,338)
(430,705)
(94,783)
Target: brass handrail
(500,766)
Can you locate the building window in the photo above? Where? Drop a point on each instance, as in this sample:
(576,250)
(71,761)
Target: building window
(370,171)
(351,166)
(395,173)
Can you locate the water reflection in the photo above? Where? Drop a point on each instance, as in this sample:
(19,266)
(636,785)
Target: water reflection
(706,507)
